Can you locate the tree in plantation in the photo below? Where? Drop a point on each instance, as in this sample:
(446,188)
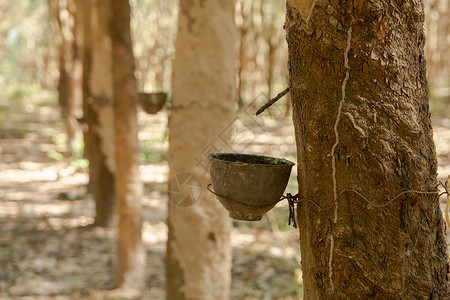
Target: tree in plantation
(77,58)
(86,7)
(62,16)
(131,252)
(97,104)
(365,151)
(198,250)
(102,102)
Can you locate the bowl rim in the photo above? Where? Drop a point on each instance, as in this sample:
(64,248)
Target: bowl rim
(285,162)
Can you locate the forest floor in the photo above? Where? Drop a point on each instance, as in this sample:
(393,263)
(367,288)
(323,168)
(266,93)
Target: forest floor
(48,248)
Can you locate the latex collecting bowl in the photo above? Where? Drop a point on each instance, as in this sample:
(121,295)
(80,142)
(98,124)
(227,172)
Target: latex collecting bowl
(152,103)
(248,185)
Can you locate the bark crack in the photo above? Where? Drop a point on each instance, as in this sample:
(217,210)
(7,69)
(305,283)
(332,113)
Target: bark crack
(333,149)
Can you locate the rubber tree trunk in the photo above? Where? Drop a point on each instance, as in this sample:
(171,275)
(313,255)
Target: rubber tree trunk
(102,103)
(198,248)
(363,132)
(77,71)
(97,107)
(65,40)
(130,253)
(87,65)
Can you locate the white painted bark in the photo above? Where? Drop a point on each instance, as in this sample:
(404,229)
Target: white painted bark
(203,93)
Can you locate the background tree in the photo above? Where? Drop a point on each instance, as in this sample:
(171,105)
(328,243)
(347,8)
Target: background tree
(262,56)
(198,249)
(437,48)
(363,131)
(102,102)
(97,104)
(29,53)
(88,113)
(77,68)
(152,24)
(62,16)
(131,253)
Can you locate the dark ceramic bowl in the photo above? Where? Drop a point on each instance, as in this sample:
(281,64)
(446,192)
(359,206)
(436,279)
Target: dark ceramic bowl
(248,185)
(152,103)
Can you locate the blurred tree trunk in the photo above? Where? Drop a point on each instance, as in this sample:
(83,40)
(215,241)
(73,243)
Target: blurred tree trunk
(87,64)
(77,69)
(131,252)
(438,40)
(102,103)
(241,54)
(5,23)
(362,123)
(198,249)
(62,20)
(268,34)
(97,106)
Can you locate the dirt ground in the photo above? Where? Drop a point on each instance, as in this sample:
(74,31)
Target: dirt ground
(49,250)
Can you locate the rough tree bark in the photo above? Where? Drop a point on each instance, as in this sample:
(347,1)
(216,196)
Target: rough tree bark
(131,253)
(97,107)
(362,123)
(198,249)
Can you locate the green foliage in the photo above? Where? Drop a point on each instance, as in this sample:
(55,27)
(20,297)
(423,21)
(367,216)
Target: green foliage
(58,156)
(77,146)
(160,139)
(77,163)
(149,156)
(149,187)
(47,102)
(5,254)
(27,43)
(440,94)
(20,91)
(80,163)
(59,141)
